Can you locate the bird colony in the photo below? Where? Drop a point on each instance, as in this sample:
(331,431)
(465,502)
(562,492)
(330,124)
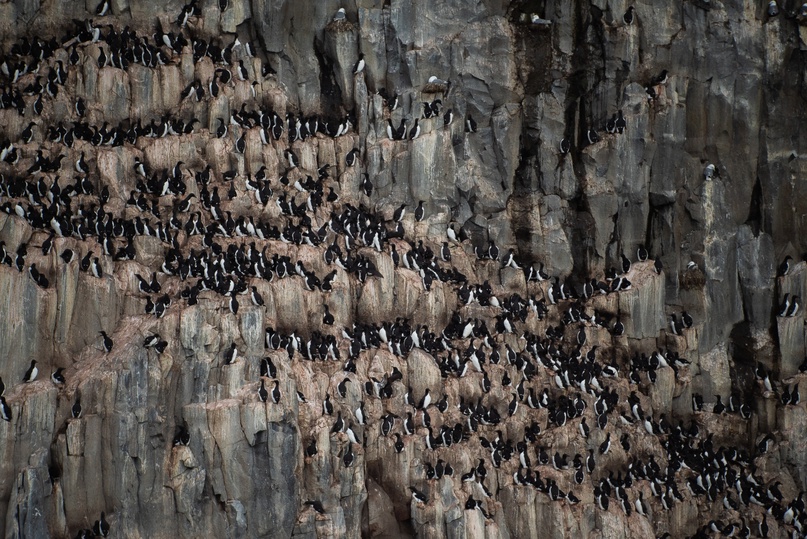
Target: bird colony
(227,306)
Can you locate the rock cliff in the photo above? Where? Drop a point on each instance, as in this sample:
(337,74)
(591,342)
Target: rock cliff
(402,268)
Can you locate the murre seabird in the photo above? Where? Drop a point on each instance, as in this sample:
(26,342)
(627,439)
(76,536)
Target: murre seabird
(31,373)
(415,131)
(784,267)
(107,342)
(57,377)
(101,526)
(627,17)
(5,409)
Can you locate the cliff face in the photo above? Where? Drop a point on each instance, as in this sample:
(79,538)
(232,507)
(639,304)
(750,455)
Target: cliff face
(528,74)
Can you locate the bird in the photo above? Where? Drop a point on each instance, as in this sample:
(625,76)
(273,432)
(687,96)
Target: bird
(102,8)
(675,326)
(101,526)
(221,130)
(95,268)
(107,342)
(340,16)
(773,8)
(276,392)
(316,504)
(351,157)
(565,145)
(57,377)
(784,267)
(341,388)
(435,80)
(425,401)
(262,393)
(686,319)
(418,496)
(348,457)
(419,212)
(641,253)
(256,297)
(470,124)
(31,373)
(627,17)
(793,309)
(75,410)
(360,64)
(661,78)
(230,354)
(399,444)
(28,133)
(327,318)
(5,409)
(415,131)
(38,278)
(710,171)
(293,160)
(81,165)
(311,449)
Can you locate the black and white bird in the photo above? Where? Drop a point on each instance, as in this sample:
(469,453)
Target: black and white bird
(57,377)
(627,17)
(221,130)
(103,8)
(784,267)
(351,157)
(415,131)
(418,496)
(420,213)
(316,504)
(81,165)
(360,64)
(256,297)
(32,372)
(106,342)
(675,326)
(327,318)
(101,526)
(95,268)
(5,409)
(230,354)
